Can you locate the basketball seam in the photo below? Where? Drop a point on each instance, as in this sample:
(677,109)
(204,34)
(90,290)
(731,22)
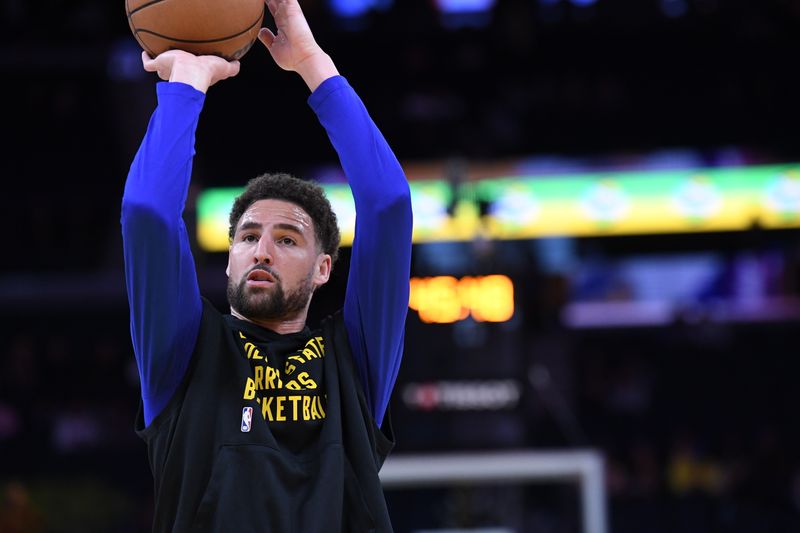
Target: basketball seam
(192,41)
(134,30)
(148,4)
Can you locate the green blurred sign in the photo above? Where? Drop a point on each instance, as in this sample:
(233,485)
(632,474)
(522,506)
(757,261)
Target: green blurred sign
(614,203)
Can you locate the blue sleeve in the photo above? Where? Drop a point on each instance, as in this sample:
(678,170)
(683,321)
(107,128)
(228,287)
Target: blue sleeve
(163,294)
(376,301)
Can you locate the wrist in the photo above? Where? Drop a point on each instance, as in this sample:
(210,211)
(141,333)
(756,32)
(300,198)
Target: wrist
(315,69)
(190,74)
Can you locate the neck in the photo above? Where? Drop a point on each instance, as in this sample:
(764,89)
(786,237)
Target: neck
(283,325)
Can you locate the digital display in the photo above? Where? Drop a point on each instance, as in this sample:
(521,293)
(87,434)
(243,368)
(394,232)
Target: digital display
(445,299)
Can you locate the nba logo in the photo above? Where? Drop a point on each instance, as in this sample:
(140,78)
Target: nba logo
(247,419)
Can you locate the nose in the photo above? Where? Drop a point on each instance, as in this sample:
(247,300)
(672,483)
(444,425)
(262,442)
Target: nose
(263,251)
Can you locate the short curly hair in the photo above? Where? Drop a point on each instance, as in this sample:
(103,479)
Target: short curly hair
(309,196)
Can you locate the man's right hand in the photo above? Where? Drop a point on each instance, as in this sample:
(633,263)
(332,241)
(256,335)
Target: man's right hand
(201,72)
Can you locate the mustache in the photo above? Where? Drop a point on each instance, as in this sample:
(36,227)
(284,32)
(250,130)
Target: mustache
(266,269)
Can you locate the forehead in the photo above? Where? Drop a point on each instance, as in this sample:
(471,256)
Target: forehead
(272,211)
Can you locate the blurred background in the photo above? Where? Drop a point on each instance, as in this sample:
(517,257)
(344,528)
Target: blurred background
(607,204)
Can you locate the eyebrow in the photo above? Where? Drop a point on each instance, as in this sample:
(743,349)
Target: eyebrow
(289,227)
(249,225)
(281,225)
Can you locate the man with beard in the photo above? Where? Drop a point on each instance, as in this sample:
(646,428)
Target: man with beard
(254,421)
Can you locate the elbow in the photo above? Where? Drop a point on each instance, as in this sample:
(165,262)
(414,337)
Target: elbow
(395,207)
(395,220)
(394,199)
(147,215)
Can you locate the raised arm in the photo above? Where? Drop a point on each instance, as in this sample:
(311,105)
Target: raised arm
(376,301)
(163,295)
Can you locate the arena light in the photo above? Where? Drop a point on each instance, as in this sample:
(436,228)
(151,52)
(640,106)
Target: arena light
(357,8)
(674,8)
(456,14)
(464,6)
(446,299)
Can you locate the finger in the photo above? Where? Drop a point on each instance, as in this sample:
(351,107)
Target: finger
(272,5)
(266,36)
(279,14)
(147,62)
(234,68)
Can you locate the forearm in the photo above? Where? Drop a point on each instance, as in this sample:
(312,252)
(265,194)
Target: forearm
(161,170)
(373,172)
(193,74)
(316,69)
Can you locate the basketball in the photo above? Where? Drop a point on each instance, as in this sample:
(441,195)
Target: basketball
(225,28)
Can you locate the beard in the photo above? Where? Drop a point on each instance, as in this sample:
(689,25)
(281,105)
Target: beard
(268,304)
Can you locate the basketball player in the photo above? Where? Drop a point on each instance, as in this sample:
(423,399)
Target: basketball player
(253,421)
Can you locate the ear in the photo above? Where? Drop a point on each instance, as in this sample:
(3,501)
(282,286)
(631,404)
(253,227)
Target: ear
(228,266)
(322,270)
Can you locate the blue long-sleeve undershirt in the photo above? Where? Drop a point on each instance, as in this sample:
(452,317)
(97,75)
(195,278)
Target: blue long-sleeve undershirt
(163,294)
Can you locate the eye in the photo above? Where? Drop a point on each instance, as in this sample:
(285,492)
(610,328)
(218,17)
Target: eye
(287,241)
(249,237)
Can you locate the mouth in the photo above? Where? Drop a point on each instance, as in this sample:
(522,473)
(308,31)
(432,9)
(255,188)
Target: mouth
(260,278)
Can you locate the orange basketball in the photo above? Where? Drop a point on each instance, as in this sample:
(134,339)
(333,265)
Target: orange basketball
(225,28)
